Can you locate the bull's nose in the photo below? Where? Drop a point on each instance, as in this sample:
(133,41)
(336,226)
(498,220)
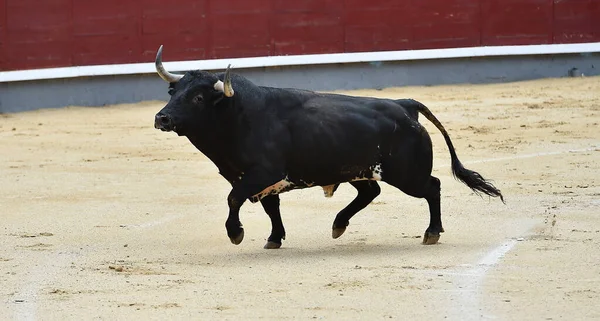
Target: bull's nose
(163,122)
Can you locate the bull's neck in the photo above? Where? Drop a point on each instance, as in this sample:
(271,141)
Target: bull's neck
(219,149)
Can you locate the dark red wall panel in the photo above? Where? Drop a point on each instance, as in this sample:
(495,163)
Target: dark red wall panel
(55,33)
(38,33)
(306,27)
(446,23)
(306,33)
(105,30)
(240,29)
(307,6)
(516,22)
(183,28)
(387,25)
(573,20)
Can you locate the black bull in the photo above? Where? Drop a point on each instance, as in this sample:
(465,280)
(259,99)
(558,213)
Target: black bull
(267,140)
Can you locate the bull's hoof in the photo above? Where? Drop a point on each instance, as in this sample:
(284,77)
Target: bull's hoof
(337,232)
(238,239)
(430,238)
(272,245)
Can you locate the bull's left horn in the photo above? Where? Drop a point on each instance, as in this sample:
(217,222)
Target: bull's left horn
(225,87)
(228,87)
(162,72)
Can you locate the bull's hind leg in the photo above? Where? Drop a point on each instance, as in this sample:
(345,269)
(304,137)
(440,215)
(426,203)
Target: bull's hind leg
(367,191)
(432,234)
(271,206)
(431,193)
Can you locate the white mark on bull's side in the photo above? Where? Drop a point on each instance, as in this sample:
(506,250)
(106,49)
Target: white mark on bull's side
(377,172)
(328,190)
(279,187)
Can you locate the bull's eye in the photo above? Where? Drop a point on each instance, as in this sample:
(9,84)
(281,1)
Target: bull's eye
(171,91)
(198,99)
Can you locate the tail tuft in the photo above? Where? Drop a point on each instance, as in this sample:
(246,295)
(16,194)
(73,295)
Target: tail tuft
(475,181)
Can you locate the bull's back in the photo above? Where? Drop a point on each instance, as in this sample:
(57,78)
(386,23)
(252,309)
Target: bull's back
(342,135)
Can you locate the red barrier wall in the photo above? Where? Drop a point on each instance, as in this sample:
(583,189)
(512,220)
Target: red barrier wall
(56,33)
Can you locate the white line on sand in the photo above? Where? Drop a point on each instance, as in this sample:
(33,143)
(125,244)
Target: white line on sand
(158,222)
(468,306)
(469,282)
(38,278)
(499,159)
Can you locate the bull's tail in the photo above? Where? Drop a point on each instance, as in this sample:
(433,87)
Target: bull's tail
(471,178)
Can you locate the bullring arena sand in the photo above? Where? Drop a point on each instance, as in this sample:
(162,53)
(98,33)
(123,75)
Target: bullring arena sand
(104,218)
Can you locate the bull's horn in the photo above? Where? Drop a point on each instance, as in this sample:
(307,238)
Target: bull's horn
(226,86)
(162,72)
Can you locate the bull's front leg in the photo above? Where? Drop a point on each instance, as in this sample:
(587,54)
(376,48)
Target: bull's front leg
(235,229)
(252,183)
(271,206)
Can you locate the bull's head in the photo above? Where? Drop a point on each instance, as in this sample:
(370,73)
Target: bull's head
(194,96)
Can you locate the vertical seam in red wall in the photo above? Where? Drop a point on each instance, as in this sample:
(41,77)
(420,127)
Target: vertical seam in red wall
(140,33)
(272,47)
(343,18)
(71,40)
(5,36)
(412,28)
(269,34)
(210,19)
(589,22)
(480,24)
(551,40)
(590,27)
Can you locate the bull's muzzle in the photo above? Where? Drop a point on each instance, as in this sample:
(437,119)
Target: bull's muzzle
(163,122)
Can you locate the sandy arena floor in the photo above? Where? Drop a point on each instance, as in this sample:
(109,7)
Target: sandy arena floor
(104,217)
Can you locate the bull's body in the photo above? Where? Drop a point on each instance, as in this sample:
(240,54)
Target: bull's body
(307,139)
(267,140)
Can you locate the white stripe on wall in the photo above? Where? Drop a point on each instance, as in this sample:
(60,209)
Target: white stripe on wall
(295,60)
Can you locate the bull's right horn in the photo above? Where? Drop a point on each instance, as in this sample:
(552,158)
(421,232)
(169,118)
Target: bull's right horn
(162,72)
(228,87)
(225,87)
